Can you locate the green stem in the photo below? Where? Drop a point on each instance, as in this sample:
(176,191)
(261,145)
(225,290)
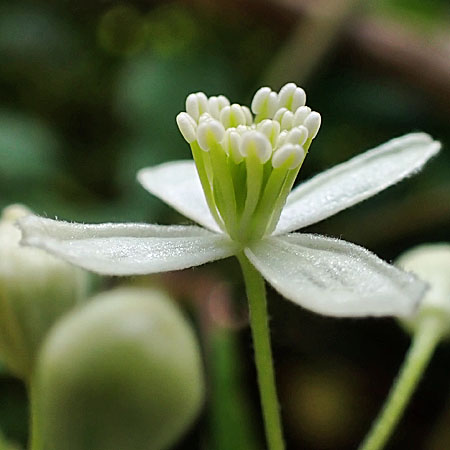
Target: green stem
(419,354)
(256,293)
(35,426)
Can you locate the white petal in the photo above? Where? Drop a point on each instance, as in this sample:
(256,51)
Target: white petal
(355,180)
(125,249)
(334,277)
(177,184)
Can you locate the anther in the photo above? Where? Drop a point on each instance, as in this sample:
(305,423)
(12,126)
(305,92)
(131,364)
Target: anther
(196,104)
(231,145)
(232,116)
(312,123)
(291,97)
(282,138)
(287,120)
(301,114)
(270,129)
(297,135)
(209,131)
(265,102)
(256,142)
(223,101)
(213,107)
(248,115)
(288,153)
(279,114)
(187,126)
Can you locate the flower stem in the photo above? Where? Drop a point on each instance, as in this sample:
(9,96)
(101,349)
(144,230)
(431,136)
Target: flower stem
(256,293)
(35,426)
(419,354)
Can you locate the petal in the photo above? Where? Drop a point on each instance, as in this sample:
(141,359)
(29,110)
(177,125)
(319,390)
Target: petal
(177,184)
(355,180)
(125,249)
(334,277)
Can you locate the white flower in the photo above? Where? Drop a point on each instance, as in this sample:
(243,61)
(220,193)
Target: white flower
(238,189)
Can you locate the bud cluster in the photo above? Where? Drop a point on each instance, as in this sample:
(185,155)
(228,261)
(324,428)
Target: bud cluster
(247,160)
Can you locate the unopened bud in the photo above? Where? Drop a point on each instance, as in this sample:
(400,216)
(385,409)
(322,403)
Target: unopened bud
(122,372)
(431,263)
(36,289)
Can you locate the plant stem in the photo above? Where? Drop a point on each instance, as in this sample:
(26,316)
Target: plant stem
(419,354)
(256,294)
(35,439)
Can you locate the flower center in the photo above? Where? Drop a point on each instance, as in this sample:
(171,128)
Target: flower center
(248,164)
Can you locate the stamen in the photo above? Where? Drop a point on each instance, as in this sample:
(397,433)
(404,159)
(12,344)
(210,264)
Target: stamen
(187,126)
(264,103)
(291,97)
(312,123)
(248,115)
(196,104)
(232,116)
(289,154)
(287,120)
(209,133)
(300,115)
(214,107)
(247,165)
(270,129)
(297,135)
(282,138)
(279,114)
(231,144)
(223,101)
(256,143)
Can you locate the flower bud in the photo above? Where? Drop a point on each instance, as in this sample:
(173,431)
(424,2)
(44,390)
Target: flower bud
(122,372)
(431,263)
(35,290)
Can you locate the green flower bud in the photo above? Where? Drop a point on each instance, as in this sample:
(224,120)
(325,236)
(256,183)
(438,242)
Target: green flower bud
(35,290)
(430,262)
(123,372)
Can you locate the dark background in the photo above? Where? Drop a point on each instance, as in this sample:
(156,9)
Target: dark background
(89,91)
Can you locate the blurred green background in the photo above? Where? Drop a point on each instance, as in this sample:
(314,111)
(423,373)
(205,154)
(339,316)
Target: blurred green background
(89,91)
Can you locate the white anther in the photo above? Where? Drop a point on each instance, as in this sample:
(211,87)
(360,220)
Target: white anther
(282,138)
(265,101)
(223,101)
(196,104)
(248,115)
(301,114)
(231,144)
(287,120)
(187,126)
(270,129)
(298,99)
(209,131)
(279,114)
(291,97)
(232,116)
(237,114)
(213,107)
(205,117)
(259,99)
(297,135)
(291,153)
(255,142)
(312,123)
